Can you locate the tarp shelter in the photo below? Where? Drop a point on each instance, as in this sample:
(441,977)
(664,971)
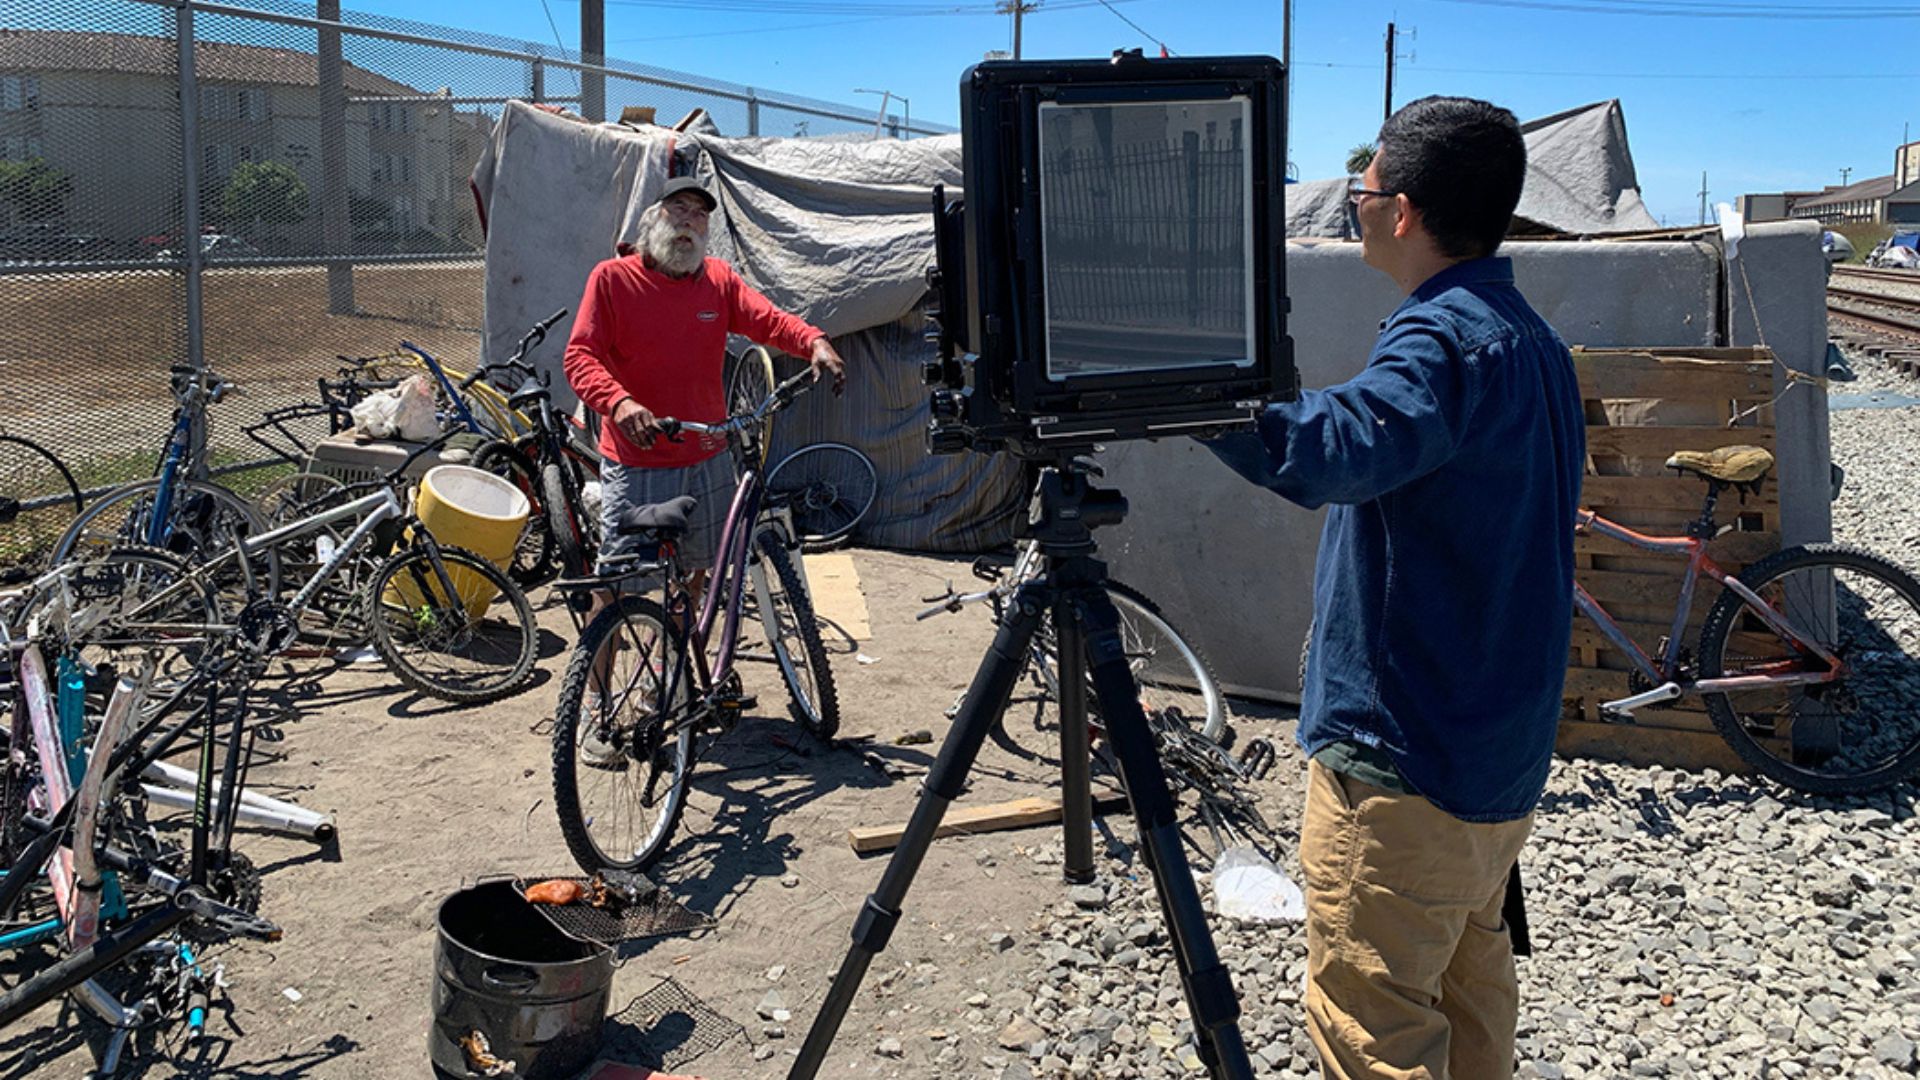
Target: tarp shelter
(837,232)
(1580,182)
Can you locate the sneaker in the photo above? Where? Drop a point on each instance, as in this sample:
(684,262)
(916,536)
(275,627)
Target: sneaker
(596,752)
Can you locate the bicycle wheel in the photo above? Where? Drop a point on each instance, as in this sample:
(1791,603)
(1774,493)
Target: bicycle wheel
(1858,734)
(38,500)
(1174,678)
(828,487)
(569,536)
(749,381)
(334,611)
(110,606)
(471,643)
(533,557)
(786,614)
(205,521)
(619,780)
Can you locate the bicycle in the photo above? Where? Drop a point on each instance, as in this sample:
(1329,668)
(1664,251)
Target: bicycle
(423,603)
(179,509)
(1175,679)
(828,488)
(38,499)
(550,466)
(622,756)
(1793,656)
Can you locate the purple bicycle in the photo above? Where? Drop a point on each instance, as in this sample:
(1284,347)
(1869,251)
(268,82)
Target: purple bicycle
(653,682)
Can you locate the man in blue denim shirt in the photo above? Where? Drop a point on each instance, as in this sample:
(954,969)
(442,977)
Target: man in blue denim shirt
(1442,609)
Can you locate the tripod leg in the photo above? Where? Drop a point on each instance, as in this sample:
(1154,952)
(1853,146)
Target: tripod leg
(986,700)
(1076,770)
(1209,989)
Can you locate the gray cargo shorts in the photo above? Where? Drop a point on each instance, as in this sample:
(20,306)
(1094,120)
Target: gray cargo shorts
(626,487)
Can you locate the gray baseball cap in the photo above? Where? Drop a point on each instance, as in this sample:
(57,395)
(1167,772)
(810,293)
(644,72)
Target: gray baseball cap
(687,183)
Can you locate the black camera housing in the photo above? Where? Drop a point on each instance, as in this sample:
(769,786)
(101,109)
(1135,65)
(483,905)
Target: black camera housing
(1117,269)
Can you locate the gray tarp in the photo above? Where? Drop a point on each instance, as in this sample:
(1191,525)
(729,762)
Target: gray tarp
(836,232)
(1580,182)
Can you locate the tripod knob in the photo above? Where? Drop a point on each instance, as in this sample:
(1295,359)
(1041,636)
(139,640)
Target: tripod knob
(945,439)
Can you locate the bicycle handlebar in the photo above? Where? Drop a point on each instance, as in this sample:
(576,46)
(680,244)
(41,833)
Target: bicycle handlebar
(532,338)
(779,398)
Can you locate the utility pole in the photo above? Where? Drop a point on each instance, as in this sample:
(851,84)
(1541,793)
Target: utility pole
(1389,110)
(593,50)
(1703,197)
(1286,72)
(1844,173)
(1016,8)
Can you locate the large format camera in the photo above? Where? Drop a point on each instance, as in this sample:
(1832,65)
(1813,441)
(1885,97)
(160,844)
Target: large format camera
(1117,269)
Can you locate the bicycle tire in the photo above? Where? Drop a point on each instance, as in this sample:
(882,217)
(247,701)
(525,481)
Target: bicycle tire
(116,518)
(800,653)
(828,488)
(106,577)
(1875,632)
(749,381)
(533,556)
(569,541)
(395,619)
(576,781)
(31,473)
(1186,683)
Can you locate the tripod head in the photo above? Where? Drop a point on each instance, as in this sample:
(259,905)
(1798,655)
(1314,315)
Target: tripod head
(1066,507)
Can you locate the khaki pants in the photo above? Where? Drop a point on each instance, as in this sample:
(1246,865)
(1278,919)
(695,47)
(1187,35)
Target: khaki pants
(1409,967)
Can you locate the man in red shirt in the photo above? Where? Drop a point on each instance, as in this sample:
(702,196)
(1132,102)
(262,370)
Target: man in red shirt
(649,342)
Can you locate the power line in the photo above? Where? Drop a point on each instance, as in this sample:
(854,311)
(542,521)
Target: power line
(1135,25)
(1672,9)
(1766,76)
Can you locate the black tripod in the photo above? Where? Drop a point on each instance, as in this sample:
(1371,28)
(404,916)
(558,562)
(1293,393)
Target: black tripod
(1064,513)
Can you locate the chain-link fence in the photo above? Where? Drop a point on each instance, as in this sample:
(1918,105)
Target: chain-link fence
(258,188)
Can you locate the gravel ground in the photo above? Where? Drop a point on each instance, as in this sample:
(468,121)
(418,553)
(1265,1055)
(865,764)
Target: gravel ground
(1685,924)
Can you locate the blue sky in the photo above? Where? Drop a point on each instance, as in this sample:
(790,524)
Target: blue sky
(1761,95)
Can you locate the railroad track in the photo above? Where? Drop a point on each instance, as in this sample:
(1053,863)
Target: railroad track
(1886,327)
(1868,273)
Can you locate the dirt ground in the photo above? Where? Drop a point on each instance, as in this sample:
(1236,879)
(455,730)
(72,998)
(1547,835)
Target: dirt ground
(429,799)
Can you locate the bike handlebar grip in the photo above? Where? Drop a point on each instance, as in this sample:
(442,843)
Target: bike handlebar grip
(670,428)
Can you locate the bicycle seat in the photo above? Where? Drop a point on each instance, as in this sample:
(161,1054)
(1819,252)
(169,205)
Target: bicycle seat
(1729,464)
(530,393)
(660,520)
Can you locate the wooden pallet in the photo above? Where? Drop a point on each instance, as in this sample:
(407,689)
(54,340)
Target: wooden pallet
(1643,404)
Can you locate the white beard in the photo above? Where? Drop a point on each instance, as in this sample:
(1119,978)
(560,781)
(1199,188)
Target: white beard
(665,256)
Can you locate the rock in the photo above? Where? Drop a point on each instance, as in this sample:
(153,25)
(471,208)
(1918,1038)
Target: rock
(1000,942)
(1894,1050)
(889,1048)
(775,972)
(1020,1034)
(791,881)
(770,1004)
(1088,897)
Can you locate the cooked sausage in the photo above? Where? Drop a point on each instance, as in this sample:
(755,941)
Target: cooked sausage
(557,891)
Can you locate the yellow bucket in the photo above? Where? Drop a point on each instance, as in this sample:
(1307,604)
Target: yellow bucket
(466,507)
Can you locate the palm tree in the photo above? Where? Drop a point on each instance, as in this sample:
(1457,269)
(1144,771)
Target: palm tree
(1359,158)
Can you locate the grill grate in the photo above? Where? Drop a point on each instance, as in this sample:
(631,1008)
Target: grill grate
(648,913)
(665,1028)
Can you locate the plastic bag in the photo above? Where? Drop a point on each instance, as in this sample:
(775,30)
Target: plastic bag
(405,412)
(1246,885)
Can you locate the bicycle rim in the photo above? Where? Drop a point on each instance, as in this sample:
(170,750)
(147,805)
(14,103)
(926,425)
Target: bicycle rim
(619,784)
(1174,680)
(1858,734)
(471,644)
(205,521)
(828,487)
(39,495)
(111,606)
(749,381)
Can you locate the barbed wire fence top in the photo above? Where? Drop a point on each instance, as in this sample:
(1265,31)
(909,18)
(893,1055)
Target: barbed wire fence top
(260,187)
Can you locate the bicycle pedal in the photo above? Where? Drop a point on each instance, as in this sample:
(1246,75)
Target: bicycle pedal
(1616,716)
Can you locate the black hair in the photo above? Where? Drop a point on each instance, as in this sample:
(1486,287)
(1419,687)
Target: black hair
(1462,162)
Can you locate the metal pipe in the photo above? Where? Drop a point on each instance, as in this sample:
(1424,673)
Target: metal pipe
(190,187)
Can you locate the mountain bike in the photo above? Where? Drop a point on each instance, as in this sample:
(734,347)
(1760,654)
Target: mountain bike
(180,509)
(651,684)
(1809,660)
(448,623)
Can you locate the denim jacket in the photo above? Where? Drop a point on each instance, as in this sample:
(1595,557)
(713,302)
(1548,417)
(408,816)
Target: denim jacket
(1443,590)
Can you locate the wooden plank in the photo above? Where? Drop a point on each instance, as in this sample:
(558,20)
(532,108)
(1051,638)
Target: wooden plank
(1640,745)
(1666,492)
(1616,587)
(1658,442)
(1641,374)
(1017,814)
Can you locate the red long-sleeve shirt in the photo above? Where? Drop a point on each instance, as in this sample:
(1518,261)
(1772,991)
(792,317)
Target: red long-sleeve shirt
(662,341)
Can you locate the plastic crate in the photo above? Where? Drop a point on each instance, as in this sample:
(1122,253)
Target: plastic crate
(353,460)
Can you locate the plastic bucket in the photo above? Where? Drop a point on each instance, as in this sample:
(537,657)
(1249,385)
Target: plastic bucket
(465,507)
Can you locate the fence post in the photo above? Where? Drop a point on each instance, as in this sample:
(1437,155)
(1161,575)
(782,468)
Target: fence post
(190,186)
(539,87)
(753,112)
(336,226)
(1190,145)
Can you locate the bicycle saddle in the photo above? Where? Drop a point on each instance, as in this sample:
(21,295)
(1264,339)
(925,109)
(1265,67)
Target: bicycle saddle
(1731,464)
(660,519)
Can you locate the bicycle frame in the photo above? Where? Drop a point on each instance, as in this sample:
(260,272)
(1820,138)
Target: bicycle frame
(1666,668)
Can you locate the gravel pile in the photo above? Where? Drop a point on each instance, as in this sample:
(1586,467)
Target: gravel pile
(1685,924)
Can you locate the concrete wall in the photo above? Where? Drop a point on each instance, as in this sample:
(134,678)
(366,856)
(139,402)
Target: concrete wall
(1232,565)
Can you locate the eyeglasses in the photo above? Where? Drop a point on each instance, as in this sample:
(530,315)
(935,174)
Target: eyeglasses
(1357,194)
